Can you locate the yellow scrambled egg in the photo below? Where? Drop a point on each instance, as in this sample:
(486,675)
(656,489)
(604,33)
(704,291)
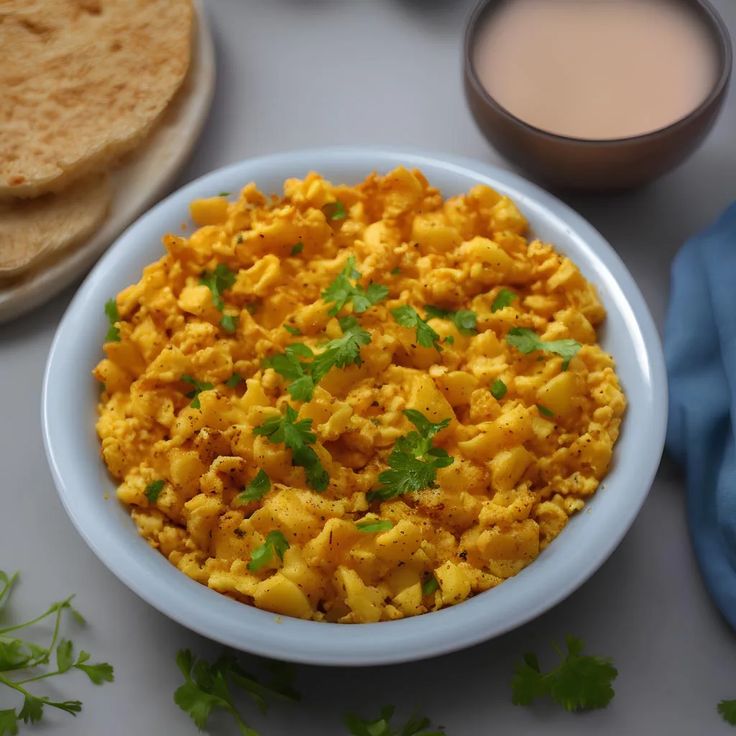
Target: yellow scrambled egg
(187,381)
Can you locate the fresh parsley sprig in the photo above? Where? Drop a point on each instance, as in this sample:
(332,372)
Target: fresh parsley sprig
(207,687)
(727,709)
(503,299)
(414,461)
(199,386)
(275,544)
(299,365)
(579,682)
(113,317)
(218,281)
(381,726)
(297,436)
(256,489)
(26,657)
(527,341)
(343,291)
(465,320)
(374,526)
(407,316)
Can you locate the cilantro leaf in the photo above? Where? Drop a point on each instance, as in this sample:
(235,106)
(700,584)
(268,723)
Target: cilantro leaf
(199,386)
(8,722)
(527,341)
(503,299)
(430,585)
(342,291)
(449,340)
(335,210)
(27,657)
(256,489)
(372,527)
(153,490)
(407,316)
(275,544)
(98,673)
(207,686)
(293,330)
(545,411)
(219,280)
(395,271)
(465,320)
(381,726)
(727,709)
(297,248)
(224,194)
(298,373)
(297,436)
(498,389)
(234,380)
(113,317)
(229,322)
(579,682)
(413,462)
(342,351)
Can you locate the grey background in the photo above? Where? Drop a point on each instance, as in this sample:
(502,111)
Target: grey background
(300,74)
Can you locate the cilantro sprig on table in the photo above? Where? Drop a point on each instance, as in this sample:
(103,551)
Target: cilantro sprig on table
(297,436)
(527,341)
(21,662)
(208,687)
(407,316)
(303,369)
(465,320)
(381,726)
(342,291)
(727,709)
(414,461)
(579,682)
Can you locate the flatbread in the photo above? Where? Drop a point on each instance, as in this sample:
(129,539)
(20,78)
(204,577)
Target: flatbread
(34,230)
(82,82)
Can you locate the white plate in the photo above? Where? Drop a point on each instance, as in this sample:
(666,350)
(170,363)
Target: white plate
(142,178)
(69,414)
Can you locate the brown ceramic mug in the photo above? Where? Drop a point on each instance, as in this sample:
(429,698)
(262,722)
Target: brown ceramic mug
(595,165)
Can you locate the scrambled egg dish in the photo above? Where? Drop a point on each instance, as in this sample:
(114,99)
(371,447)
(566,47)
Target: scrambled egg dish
(356,404)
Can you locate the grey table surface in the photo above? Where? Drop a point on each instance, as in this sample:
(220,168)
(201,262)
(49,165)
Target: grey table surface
(294,74)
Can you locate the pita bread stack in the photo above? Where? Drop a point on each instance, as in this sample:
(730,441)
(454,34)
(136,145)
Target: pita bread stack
(82,82)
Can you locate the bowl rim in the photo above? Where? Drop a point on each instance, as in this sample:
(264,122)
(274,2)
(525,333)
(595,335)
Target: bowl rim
(710,17)
(244,627)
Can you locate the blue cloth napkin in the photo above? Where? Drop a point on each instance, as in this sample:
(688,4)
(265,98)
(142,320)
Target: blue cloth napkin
(700,348)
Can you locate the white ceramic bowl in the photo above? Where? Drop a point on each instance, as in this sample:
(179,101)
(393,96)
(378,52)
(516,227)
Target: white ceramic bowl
(70,395)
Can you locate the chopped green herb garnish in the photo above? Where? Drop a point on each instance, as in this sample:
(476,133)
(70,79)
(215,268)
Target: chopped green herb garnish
(153,490)
(498,389)
(297,372)
(579,682)
(293,330)
(503,299)
(449,340)
(343,291)
(395,271)
(335,210)
(21,659)
(465,320)
(342,351)
(256,489)
(199,386)
(111,310)
(234,380)
(207,687)
(229,322)
(407,316)
(297,436)
(275,544)
(381,726)
(414,461)
(727,709)
(239,239)
(430,585)
(527,341)
(371,527)
(297,248)
(224,194)
(545,412)
(218,281)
